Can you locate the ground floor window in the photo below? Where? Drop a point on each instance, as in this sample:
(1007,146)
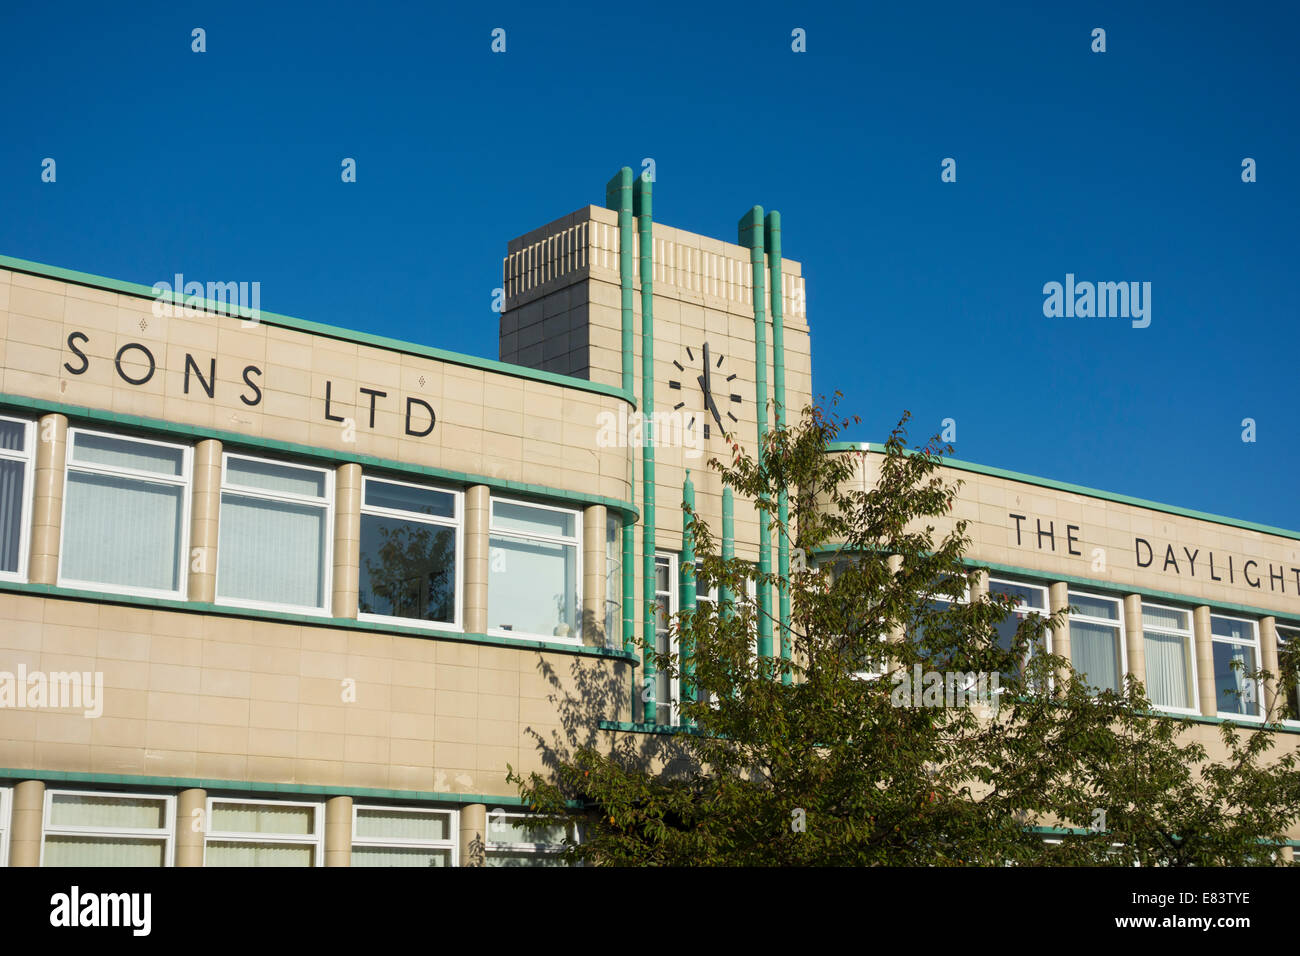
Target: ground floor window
(514,840)
(402,836)
(264,833)
(92,828)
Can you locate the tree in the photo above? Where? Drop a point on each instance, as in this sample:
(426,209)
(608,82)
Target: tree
(809,760)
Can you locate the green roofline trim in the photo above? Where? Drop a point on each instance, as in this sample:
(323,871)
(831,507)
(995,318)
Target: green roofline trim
(625,508)
(317,620)
(255,786)
(318,328)
(1077,489)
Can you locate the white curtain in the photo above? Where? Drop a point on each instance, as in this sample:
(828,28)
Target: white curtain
(1094,651)
(256,818)
(229,853)
(11,513)
(402,825)
(88,810)
(1167,670)
(122,531)
(399,856)
(103,851)
(272,551)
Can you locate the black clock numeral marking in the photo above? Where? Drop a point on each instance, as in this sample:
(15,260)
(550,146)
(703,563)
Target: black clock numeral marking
(731,376)
(691,424)
(732,417)
(679,405)
(736,398)
(719,362)
(689,354)
(706,430)
(676,385)
(680,367)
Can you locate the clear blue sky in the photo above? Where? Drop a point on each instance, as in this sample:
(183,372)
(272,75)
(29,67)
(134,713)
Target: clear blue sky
(922,295)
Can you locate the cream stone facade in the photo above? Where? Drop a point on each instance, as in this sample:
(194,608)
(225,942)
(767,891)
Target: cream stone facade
(276,668)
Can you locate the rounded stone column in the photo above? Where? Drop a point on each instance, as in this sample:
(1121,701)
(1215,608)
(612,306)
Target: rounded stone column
(191,822)
(28,822)
(347,540)
(203,523)
(47,501)
(473,834)
(1204,661)
(1133,637)
(478,503)
(338,831)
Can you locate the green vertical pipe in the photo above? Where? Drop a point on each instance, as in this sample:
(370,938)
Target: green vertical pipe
(688,587)
(751,235)
(778,400)
(725,595)
(618,196)
(641,201)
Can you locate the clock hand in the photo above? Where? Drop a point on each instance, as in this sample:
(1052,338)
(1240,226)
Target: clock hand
(708,401)
(708,382)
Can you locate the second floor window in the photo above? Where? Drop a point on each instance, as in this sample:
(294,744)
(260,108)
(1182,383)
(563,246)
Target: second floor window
(534,572)
(1170,660)
(15,488)
(1236,656)
(125,514)
(410,550)
(1097,640)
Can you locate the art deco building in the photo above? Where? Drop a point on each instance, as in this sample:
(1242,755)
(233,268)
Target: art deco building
(277,593)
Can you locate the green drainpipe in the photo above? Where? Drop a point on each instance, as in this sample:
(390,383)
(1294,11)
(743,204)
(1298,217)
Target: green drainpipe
(688,587)
(778,400)
(618,196)
(642,205)
(751,235)
(726,599)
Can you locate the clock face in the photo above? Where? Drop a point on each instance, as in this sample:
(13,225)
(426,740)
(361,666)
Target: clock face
(706,389)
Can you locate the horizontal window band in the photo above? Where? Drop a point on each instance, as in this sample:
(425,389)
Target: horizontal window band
(219,788)
(288,617)
(626,509)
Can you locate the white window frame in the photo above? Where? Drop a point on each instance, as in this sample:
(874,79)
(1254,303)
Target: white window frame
(456,523)
(1117,622)
(6,822)
(327,571)
(575,636)
(674,647)
(28,457)
(452,843)
(167,833)
(185,481)
(1281,641)
(315,839)
(1257,717)
(545,849)
(1189,645)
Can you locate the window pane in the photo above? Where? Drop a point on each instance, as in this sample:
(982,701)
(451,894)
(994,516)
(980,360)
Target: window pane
(518,830)
(12,435)
(1025,594)
(383,494)
(229,853)
(1165,617)
(1094,607)
(1234,693)
(103,851)
(1094,650)
(1169,670)
(508,858)
(512,517)
(403,825)
(123,531)
(272,551)
(262,818)
(1231,627)
(533,587)
(124,453)
(89,810)
(11,512)
(399,856)
(269,476)
(408,569)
